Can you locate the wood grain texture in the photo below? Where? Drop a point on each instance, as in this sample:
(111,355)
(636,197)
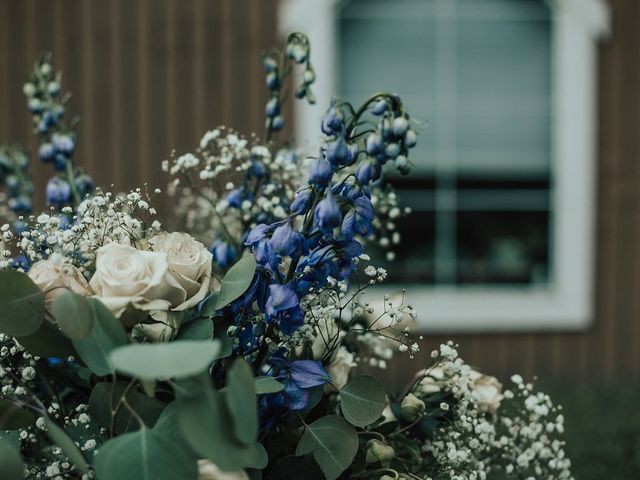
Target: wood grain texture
(149,77)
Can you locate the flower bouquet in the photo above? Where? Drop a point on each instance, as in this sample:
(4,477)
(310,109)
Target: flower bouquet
(128,352)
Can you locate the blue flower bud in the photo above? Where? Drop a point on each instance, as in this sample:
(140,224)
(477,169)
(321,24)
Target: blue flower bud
(46,152)
(286,241)
(63,143)
(273,107)
(273,81)
(297,52)
(234,198)
(385,129)
(380,107)
(84,184)
(332,122)
(403,165)
(327,213)
(368,171)
(410,139)
(257,169)
(392,150)
(277,123)
(375,145)
(20,205)
(51,118)
(60,162)
(339,153)
(301,91)
(58,192)
(13,184)
(400,126)
(53,88)
(320,172)
(300,204)
(269,64)
(308,77)
(223,253)
(35,105)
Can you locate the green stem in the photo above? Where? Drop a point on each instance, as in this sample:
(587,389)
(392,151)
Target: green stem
(72,184)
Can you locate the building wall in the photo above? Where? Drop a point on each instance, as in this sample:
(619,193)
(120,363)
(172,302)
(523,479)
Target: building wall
(152,76)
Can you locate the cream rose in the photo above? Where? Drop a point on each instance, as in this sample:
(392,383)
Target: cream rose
(54,275)
(487,391)
(127,277)
(190,265)
(432,381)
(339,368)
(210,471)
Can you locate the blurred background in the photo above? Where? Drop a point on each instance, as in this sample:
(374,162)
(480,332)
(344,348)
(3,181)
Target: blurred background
(524,241)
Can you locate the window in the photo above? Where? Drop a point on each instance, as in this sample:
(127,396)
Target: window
(502,196)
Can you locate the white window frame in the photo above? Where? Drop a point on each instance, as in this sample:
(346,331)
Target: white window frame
(566,303)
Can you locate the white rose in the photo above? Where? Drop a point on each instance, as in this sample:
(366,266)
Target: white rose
(127,277)
(340,367)
(210,471)
(432,381)
(54,275)
(487,391)
(190,265)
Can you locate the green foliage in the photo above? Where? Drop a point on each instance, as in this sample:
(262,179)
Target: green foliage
(236,281)
(11,464)
(21,304)
(207,425)
(178,359)
(268,384)
(13,417)
(60,438)
(48,341)
(296,467)
(333,443)
(105,395)
(241,401)
(362,400)
(106,334)
(198,329)
(144,455)
(74,315)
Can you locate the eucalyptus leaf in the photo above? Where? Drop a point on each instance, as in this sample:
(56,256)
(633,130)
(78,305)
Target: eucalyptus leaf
(333,443)
(21,304)
(144,455)
(47,341)
(181,358)
(267,384)
(13,417)
(149,409)
(198,329)
(206,424)
(236,281)
(74,315)
(362,400)
(11,464)
(241,401)
(106,334)
(71,450)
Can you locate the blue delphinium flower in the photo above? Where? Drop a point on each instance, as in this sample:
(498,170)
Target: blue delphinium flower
(300,203)
(286,241)
(224,254)
(320,172)
(58,192)
(283,307)
(359,219)
(327,212)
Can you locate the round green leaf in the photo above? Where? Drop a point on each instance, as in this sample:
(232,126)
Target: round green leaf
(47,341)
(268,384)
(21,304)
(241,401)
(71,450)
(362,400)
(106,334)
(74,315)
(13,417)
(11,464)
(198,329)
(236,281)
(333,443)
(144,455)
(177,359)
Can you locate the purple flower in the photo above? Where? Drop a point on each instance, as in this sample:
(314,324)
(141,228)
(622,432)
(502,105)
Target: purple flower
(286,241)
(58,192)
(283,306)
(327,212)
(308,373)
(320,172)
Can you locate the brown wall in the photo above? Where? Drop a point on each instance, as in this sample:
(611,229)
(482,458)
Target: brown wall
(149,76)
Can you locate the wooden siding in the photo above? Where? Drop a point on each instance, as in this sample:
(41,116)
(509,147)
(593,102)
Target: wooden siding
(150,76)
